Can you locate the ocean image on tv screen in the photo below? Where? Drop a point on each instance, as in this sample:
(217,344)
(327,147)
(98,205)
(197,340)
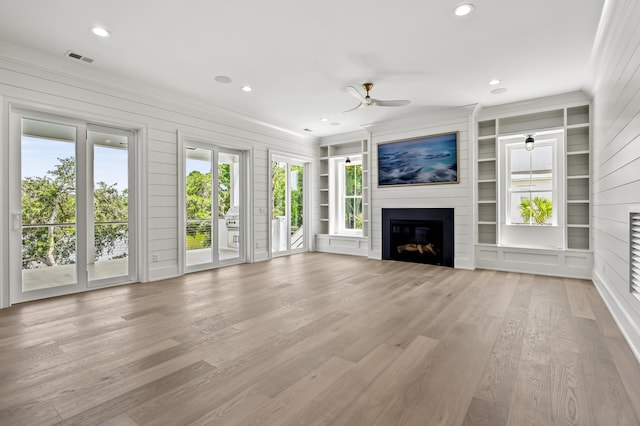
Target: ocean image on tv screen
(431,159)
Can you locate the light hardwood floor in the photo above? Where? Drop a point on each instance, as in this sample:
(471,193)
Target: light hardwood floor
(321,339)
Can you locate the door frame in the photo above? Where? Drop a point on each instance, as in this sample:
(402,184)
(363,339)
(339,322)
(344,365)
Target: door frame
(307,164)
(15,110)
(240,148)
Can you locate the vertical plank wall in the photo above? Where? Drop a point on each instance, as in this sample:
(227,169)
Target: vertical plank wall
(49,91)
(616,164)
(458,196)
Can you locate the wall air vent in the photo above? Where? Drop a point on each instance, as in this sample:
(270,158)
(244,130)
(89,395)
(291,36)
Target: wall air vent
(77,56)
(634,254)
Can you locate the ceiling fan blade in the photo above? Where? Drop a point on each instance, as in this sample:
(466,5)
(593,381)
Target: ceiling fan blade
(355,93)
(360,105)
(391,103)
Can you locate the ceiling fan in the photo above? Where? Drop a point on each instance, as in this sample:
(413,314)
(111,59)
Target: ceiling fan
(367,101)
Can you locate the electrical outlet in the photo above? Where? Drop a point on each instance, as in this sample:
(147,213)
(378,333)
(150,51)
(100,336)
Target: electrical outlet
(154,258)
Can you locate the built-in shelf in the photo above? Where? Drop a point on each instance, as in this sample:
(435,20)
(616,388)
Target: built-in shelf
(342,150)
(575,121)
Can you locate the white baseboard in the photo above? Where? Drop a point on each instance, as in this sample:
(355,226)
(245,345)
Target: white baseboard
(559,263)
(627,324)
(163,273)
(342,244)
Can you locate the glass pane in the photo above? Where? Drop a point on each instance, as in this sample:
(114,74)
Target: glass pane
(358,178)
(199,206)
(531,170)
(297,206)
(108,236)
(358,213)
(542,168)
(349,179)
(229,181)
(279,207)
(535,208)
(48,201)
(348,213)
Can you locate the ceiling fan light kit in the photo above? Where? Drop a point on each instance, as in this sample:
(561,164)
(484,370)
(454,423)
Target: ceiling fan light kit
(367,101)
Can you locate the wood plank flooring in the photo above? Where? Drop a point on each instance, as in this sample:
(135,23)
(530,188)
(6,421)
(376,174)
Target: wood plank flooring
(321,339)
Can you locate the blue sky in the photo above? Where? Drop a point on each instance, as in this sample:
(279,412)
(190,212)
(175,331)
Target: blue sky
(41,155)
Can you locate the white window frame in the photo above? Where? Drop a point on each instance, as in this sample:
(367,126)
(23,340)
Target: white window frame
(338,195)
(527,235)
(510,146)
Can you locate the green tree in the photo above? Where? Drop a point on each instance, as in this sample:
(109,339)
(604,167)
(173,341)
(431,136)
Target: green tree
(297,205)
(199,193)
(539,209)
(224,189)
(48,200)
(109,205)
(279,189)
(51,199)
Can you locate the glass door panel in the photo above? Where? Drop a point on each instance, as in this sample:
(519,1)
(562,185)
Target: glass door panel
(287,208)
(48,205)
(296,197)
(279,210)
(229,206)
(199,206)
(108,216)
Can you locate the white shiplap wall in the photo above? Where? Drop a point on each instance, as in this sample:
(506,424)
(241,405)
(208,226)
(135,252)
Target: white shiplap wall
(616,164)
(458,196)
(158,120)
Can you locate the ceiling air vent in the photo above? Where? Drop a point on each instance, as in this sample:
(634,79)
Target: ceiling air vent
(77,56)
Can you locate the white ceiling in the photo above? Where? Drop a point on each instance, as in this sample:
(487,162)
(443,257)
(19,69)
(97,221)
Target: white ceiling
(299,56)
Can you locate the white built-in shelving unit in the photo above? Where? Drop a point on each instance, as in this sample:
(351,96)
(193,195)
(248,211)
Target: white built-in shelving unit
(574,120)
(326,240)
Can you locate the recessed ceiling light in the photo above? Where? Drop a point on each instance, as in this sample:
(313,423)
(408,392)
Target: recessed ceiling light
(246,88)
(498,91)
(222,79)
(100,32)
(324,119)
(495,81)
(463,9)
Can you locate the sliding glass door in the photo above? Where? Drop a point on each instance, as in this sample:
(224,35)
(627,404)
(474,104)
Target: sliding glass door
(213,212)
(70,186)
(287,206)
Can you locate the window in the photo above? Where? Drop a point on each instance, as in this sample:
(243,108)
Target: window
(530,185)
(530,200)
(352,196)
(346,217)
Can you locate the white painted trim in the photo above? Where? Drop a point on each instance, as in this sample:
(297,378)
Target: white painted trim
(519,259)
(4,203)
(532,106)
(344,138)
(308,171)
(83,121)
(245,150)
(342,244)
(628,327)
(142,200)
(181,160)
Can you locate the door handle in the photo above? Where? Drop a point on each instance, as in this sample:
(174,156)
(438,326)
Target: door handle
(17,221)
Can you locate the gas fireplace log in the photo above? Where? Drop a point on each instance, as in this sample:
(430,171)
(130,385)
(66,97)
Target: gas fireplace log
(430,248)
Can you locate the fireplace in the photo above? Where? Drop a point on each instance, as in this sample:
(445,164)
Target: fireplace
(418,235)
